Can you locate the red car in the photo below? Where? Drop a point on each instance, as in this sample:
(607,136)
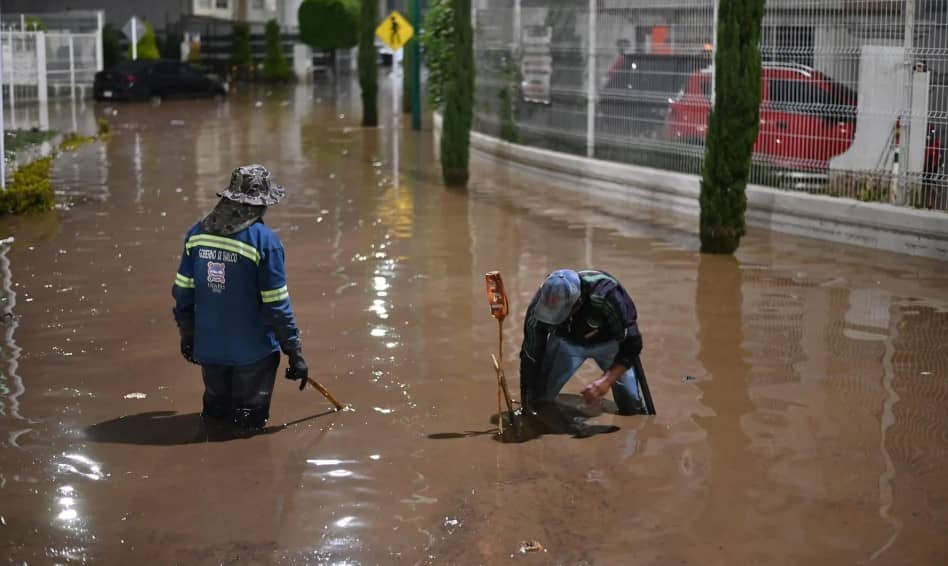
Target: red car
(806,117)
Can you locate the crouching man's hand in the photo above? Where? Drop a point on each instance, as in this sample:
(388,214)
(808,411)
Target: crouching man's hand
(595,391)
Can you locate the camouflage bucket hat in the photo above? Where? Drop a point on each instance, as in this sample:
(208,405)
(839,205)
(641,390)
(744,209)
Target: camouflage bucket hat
(250,184)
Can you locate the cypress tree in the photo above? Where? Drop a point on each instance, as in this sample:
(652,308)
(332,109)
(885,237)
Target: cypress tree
(240,56)
(111,50)
(459,100)
(275,66)
(733,125)
(368,63)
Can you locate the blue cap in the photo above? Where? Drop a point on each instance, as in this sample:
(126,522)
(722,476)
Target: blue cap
(558,294)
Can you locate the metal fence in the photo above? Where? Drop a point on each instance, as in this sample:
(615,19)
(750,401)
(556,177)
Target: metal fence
(40,65)
(854,92)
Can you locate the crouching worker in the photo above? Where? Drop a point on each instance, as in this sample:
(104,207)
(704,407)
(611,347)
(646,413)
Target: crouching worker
(232,306)
(576,316)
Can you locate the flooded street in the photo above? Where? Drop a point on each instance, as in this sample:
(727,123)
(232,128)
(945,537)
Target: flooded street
(801,387)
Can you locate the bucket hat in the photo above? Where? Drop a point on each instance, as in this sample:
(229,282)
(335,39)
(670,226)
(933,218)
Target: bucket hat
(250,184)
(558,294)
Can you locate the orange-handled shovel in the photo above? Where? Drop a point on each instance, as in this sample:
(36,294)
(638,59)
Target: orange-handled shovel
(497,299)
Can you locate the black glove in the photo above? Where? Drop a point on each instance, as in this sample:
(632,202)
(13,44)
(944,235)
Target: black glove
(187,347)
(298,368)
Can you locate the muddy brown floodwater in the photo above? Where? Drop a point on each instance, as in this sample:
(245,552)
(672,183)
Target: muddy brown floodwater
(801,387)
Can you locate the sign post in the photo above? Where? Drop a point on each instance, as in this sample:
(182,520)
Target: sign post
(134,29)
(395,31)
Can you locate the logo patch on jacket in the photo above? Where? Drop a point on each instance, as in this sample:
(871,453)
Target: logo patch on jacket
(215,272)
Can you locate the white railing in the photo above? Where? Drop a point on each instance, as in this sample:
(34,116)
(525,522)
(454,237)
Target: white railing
(855,92)
(38,65)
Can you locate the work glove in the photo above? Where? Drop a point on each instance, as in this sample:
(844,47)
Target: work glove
(187,347)
(297,368)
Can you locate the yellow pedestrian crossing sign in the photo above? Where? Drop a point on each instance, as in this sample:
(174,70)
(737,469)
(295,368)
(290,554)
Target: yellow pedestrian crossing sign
(395,31)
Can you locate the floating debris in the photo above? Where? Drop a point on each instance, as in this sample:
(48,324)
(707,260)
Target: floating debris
(689,378)
(452,524)
(135,396)
(531,546)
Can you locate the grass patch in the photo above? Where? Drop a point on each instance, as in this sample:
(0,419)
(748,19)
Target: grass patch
(16,140)
(73,141)
(29,190)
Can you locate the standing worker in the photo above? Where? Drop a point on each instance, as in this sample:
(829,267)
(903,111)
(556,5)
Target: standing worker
(576,316)
(232,306)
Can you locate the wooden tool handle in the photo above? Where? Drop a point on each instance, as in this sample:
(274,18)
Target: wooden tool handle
(325,393)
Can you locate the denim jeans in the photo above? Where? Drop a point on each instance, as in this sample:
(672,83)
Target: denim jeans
(563,358)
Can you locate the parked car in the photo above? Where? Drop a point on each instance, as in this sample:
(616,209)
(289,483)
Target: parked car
(635,96)
(806,118)
(141,80)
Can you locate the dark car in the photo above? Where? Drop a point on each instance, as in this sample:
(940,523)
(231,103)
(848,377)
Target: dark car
(634,99)
(142,80)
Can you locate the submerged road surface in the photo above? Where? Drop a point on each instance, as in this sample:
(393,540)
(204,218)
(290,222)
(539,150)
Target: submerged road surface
(801,387)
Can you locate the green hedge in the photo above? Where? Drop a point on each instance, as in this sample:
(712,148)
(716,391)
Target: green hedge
(29,190)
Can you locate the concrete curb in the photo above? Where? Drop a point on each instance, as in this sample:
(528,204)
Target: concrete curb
(872,225)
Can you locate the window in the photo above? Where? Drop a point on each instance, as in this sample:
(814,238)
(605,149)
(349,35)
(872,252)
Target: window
(222,4)
(258,4)
(798,96)
(166,68)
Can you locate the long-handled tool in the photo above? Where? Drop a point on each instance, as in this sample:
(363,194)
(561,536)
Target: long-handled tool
(643,386)
(325,393)
(497,298)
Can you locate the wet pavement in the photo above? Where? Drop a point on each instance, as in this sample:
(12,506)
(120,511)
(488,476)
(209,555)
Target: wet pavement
(801,388)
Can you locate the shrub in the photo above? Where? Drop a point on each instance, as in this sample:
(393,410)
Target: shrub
(73,141)
(29,190)
(436,39)
(147,44)
(34,24)
(104,129)
(329,24)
